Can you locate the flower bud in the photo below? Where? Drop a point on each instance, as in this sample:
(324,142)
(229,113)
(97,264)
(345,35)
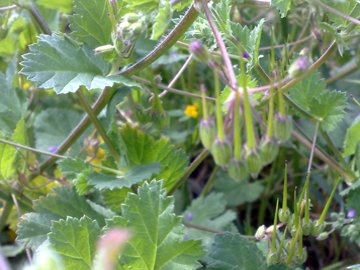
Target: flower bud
(199,51)
(221,151)
(260,232)
(131,17)
(282,127)
(253,162)
(299,66)
(300,257)
(237,170)
(322,236)
(318,228)
(269,149)
(207,131)
(307,227)
(272,258)
(284,215)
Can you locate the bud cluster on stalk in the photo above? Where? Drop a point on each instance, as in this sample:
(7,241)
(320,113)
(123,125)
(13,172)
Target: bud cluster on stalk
(235,146)
(297,224)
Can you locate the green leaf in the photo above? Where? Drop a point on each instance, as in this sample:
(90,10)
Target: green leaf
(327,106)
(9,154)
(237,193)
(33,227)
(349,7)
(11,107)
(352,137)
(162,19)
(90,23)
(62,6)
(55,62)
(143,5)
(140,148)
(180,5)
(52,126)
(75,240)
(158,239)
(133,176)
(209,212)
(282,5)
(232,251)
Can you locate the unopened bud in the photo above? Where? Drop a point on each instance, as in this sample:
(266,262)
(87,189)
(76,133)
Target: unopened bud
(221,151)
(282,127)
(237,170)
(253,162)
(199,51)
(207,131)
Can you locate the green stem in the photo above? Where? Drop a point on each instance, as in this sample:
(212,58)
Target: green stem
(284,203)
(90,112)
(270,127)
(281,104)
(281,246)
(307,199)
(328,202)
(250,135)
(292,246)
(219,117)
(273,236)
(210,183)
(197,161)
(237,128)
(35,14)
(204,104)
(6,210)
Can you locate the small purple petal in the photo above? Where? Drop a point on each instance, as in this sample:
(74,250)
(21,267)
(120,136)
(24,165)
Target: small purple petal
(186,237)
(174,55)
(53,149)
(302,62)
(245,55)
(351,213)
(189,216)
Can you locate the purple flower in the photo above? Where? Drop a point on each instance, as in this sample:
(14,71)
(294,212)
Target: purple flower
(245,55)
(302,63)
(53,149)
(351,213)
(199,51)
(189,216)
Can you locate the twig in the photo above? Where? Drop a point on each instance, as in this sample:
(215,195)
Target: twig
(5,8)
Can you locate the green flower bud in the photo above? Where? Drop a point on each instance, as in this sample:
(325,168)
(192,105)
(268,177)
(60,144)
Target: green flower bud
(318,228)
(207,130)
(322,236)
(272,258)
(253,162)
(268,151)
(237,170)
(282,127)
(300,257)
(307,227)
(131,17)
(284,215)
(221,151)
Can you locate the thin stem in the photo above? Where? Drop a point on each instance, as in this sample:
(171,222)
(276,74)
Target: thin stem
(250,135)
(35,13)
(227,62)
(210,183)
(170,89)
(284,203)
(337,12)
(6,210)
(273,236)
(197,161)
(280,46)
(87,108)
(237,128)
(219,117)
(5,8)
(343,73)
(328,202)
(204,104)
(177,76)
(270,126)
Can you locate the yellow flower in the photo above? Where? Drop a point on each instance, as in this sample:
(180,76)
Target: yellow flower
(192,110)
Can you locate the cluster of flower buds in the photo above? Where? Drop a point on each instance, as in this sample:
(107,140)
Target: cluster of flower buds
(127,32)
(226,145)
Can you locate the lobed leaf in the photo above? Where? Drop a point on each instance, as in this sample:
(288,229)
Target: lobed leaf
(55,62)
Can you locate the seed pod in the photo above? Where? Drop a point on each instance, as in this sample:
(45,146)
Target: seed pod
(253,162)
(282,127)
(284,215)
(221,151)
(269,149)
(207,130)
(307,227)
(237,170)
